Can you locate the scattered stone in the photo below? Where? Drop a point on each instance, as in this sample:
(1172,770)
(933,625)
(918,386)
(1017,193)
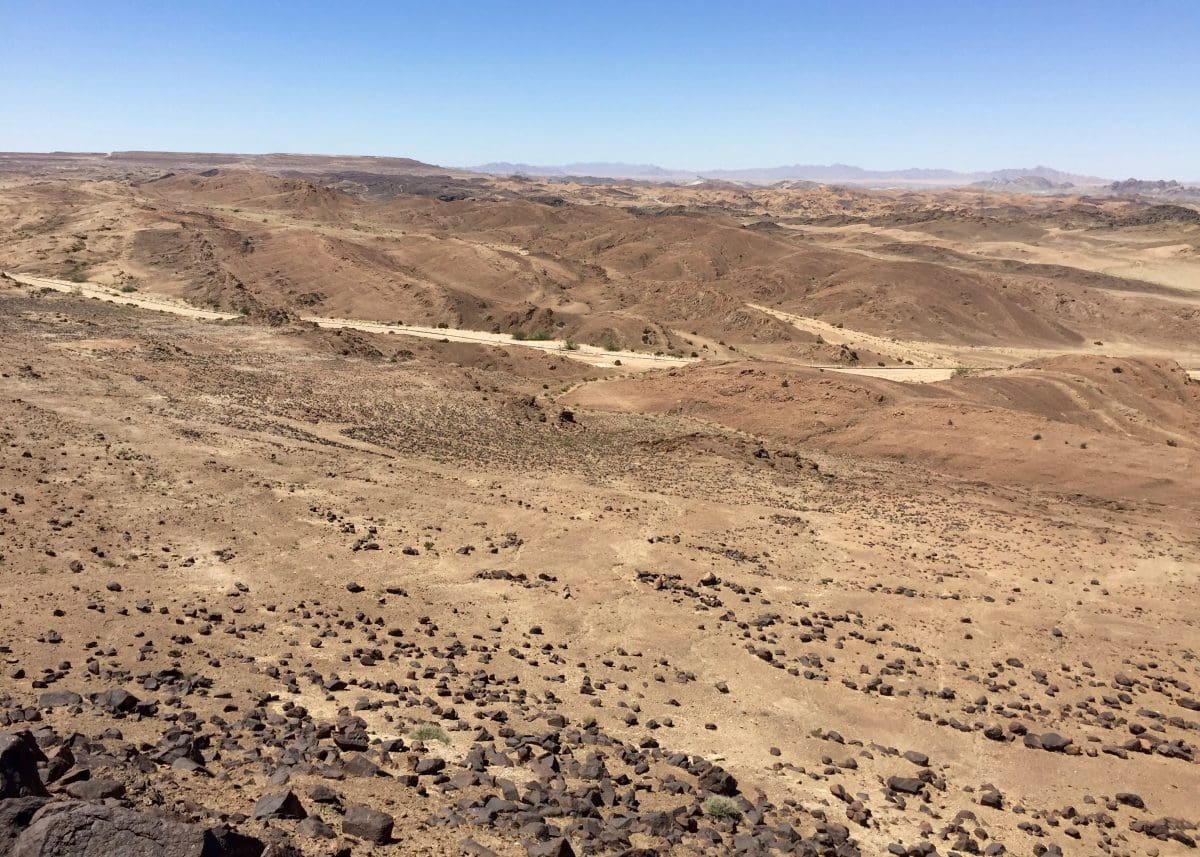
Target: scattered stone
(367,824)
(282,805)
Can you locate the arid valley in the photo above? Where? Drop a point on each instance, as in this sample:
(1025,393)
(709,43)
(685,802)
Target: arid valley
(363,506)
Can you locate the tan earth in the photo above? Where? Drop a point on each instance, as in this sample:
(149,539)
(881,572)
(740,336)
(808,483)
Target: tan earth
(322,475)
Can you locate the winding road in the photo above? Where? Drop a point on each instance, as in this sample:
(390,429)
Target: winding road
(628,360)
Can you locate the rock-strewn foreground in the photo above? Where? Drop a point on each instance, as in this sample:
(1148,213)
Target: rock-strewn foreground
(262,597)
(274,589)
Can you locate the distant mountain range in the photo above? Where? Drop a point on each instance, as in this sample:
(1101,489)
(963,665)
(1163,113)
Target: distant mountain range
(1038,179)
(826,174)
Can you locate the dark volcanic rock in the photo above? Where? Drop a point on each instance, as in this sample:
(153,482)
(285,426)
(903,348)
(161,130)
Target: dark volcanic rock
(366,823)
(115,700)
(324,794)
(906,785)
(56,698)
(719,781)
(282,805)
(1053,742)
(72,829)
(96,789)
(19,757)
(314,828)
(15,815)
(554,848)
(223,842)
(429,765)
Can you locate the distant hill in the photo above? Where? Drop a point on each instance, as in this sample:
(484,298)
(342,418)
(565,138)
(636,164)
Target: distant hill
(825,174)
(1031,184)
(281,161)
(59,162)
(1163,190)
(600,170)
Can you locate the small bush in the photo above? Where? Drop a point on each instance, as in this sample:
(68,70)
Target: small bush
(128,287)
(571,345)
(721,807)
(427,732)
(960,371)
(535,336)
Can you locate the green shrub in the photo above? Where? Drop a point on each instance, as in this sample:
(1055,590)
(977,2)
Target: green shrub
(535,336)
(427,732)
(720,807)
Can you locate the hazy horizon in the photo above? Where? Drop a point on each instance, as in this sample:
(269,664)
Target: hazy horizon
(691,87)
(609,162)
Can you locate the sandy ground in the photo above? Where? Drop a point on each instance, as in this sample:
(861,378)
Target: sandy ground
(945,358)
(1150,257)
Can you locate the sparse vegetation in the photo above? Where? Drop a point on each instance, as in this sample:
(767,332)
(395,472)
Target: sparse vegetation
(532,336)
(427,732)
(77,273)
(721,807)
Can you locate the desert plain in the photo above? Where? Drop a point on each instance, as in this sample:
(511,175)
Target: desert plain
(360,506)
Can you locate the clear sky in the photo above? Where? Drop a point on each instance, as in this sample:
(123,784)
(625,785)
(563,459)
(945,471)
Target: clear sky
(1109,87)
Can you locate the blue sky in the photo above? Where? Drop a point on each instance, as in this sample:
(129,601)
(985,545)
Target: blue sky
(1104,87)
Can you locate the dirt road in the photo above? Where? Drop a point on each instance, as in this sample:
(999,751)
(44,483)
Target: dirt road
(590,354)
(934,361)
